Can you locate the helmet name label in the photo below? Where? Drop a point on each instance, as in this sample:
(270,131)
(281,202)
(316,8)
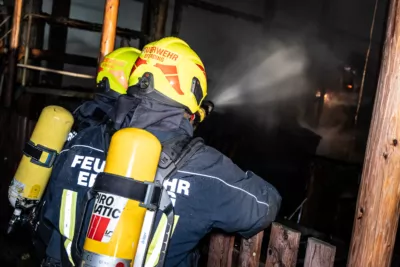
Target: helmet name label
(105,217)
(112,63)
(159,53)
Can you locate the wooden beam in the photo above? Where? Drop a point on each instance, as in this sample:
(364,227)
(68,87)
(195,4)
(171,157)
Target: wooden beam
(319,254)
(47,55)
(283,246)
(72,59)
(6,13)
(58,38)
(224,11)
(12,60)
(220,250)
(59,92)
(377,212)
(161,19)
(177,19)
(250,251)
(152,18)
(59,72)
(145,24)
(31,35)
(109,28)
(87,26)
(219,10)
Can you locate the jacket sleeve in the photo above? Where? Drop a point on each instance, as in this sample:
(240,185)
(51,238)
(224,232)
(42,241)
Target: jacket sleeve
(242,201)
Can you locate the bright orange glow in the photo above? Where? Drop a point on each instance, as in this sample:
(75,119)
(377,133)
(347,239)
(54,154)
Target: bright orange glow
(350,86)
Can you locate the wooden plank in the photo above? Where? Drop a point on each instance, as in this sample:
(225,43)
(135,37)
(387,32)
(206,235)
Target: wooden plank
(152,10)
(146,22)
(283,246)
(58,38)
(64,57)
(158,13)
(12,60)
(177,19)
(220,250)
(219,10)
(224,11)
(59,72)
(32,35)
(109,30)
(377,213)
(59,92)
(161,19)
(319,254)
(87,26)
(47,55)
(250,251)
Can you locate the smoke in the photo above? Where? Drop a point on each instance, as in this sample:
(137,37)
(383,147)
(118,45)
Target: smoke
(274,82)
(275,70)
(263,75)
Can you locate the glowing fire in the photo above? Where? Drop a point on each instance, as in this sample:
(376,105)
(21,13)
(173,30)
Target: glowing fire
(350,86)
(327,97)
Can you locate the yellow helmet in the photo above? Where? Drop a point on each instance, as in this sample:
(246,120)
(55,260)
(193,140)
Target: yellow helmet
(168,70)
(116,68)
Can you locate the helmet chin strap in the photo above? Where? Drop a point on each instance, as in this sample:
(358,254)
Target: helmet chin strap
(189,116)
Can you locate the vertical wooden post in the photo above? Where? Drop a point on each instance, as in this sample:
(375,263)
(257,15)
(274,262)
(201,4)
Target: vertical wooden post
(158,18)
(377,212)
(31,37)
(283,246)
(250,251)
(220,250)
(319,254)
(177,20)
(109,28)
(145,25)
(12,60)
(58,39)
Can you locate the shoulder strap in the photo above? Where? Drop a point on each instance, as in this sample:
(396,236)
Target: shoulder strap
(108,130)
(125,104)
(188,152)
(90,116)
(175,154)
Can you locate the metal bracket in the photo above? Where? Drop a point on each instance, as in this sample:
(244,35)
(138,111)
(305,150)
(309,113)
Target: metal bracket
(52,154)
(149,196)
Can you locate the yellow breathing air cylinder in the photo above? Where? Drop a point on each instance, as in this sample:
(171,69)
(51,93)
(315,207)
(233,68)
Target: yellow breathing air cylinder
(34,169)
(116,222)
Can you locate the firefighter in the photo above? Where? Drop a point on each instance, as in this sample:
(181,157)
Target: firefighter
(167,87)
(209,190)
(56,220)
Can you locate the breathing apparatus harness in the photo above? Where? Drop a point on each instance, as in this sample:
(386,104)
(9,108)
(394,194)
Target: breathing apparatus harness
(152,196)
